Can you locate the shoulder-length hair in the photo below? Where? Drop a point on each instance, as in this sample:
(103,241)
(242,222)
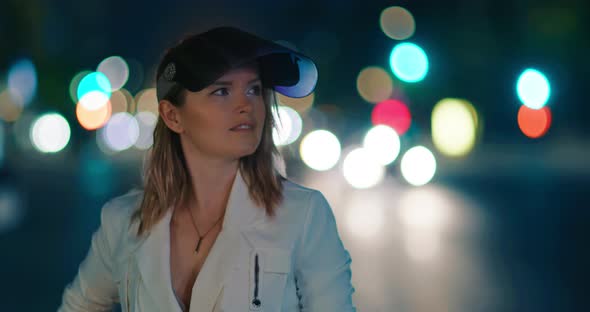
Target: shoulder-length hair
(167,182)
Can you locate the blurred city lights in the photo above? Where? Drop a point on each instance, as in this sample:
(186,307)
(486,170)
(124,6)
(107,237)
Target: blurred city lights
(50,133)
(408,62)
(374,84)
(533,88)
(11,209)
(22,81)
(93,119)
(361,169)
(365,215)
(11,107)
(301,105)
(534,123)
(116,70)
(147,123)
(147,101)
(120,101)
(288,125)
(320,150)
(74,83)
(424,213)
(392,113)
(21,131)
(418,165)
(94,83)
(454,123)
(397,23)
(383,143)
(121,132)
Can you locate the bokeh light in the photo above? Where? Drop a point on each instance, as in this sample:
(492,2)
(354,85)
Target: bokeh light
(454,127)
(147,101)
(11,107)
(50,133)
(397,23)
(147,123)
(120,100)
(12,210)
(22,81)
(533,88)
(93,119)
(75,82)
(94,83)
(374,84)
(534,123)
(121,132)
(393,113)
(383,143)
(408,62)
(115,68)
(361,169)
(301,105)
(288,126)
(320,150)
(418,165)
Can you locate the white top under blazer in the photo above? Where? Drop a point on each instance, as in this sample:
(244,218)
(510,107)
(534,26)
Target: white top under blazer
(296,262)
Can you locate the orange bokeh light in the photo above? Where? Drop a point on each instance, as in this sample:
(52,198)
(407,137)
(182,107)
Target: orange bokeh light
(93,119)
(534,123)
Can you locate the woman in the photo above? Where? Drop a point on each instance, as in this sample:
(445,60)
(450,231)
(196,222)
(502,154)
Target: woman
(216,228)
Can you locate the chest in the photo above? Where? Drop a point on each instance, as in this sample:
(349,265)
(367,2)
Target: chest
(185,263)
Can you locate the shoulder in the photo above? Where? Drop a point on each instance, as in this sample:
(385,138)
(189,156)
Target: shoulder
(120,208)
(115,218)
(304,200)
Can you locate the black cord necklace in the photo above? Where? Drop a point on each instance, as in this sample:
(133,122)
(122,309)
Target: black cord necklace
(199,234)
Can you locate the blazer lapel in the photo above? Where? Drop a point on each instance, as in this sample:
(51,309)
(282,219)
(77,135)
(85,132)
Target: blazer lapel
(153,260)
(153,255)
(241,214)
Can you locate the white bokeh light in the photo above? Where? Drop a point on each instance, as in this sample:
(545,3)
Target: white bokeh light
(146,122)
(383,143)
(50,133)
(289,126)
(116,69)
(361,169)
(94,100)
(121,132)
(418,165)
(320,150)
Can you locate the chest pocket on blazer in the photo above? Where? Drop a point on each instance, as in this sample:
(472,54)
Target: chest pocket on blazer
(269,269)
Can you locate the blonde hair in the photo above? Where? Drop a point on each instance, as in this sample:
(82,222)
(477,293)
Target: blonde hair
(167,182)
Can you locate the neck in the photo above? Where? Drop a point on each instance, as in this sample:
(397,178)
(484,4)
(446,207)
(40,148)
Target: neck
(211,185)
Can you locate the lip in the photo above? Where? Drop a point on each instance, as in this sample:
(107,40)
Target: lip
(247,123)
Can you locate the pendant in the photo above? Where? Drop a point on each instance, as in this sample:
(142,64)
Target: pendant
(198,245)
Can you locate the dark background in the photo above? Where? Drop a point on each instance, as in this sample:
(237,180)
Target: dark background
(532,193)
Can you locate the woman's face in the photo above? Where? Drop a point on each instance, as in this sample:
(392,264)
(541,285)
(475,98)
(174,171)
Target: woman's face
(224,120)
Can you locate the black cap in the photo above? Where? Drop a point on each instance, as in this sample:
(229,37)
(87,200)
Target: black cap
(203,58)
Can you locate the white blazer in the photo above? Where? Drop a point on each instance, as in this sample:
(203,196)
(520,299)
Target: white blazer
(302,263)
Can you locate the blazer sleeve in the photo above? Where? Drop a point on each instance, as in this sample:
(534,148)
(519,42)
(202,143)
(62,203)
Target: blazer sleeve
(93,288)
(322,265)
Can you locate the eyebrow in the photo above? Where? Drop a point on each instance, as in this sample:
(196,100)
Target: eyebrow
(229,83)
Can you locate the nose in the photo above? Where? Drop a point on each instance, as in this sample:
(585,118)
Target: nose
(244,104)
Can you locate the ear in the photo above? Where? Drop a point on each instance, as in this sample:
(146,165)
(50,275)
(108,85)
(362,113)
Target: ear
(171,116)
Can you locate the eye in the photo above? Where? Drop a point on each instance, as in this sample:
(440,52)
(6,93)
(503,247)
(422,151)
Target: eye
(220,92)
(255,90)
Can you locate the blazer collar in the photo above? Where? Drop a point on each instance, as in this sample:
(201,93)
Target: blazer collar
(153,255)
